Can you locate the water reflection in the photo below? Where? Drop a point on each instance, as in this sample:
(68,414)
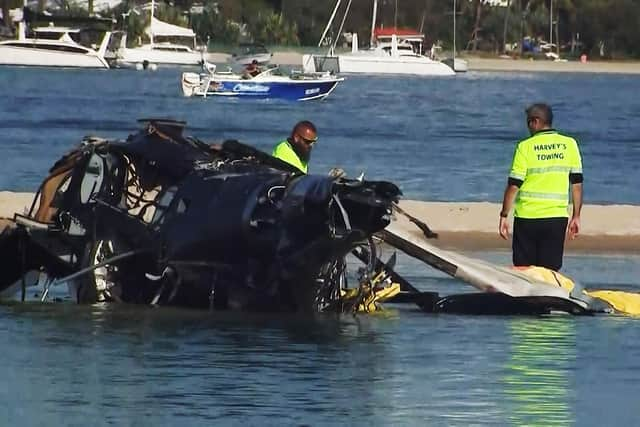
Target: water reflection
(196,367)
(538,381)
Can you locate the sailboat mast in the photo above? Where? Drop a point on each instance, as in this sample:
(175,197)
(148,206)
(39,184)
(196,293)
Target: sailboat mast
(551,22)
(153,6)
(454,33)
(373,22)
(395,16)
(326,29)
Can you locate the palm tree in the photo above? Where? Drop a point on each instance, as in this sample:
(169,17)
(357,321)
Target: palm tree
(507,12)
(475,34)
(5,13)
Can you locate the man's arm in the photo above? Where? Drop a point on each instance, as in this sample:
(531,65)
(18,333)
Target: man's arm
(574,224)
(517,175)
(575,179)
(510,192)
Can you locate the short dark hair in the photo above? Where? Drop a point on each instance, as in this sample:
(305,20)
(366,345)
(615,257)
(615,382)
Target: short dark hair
(302,125)
(541,111)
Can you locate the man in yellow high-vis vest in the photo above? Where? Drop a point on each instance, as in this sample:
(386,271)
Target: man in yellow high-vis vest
(296,150)
(544,166)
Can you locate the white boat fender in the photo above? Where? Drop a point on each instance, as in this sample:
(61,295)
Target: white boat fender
(146,65)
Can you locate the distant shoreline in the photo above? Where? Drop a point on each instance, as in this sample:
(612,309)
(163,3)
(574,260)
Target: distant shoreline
(294,58)
(525,65)
(473,226)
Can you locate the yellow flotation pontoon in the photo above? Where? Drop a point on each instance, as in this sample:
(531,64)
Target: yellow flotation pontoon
(505,290)
(620,302)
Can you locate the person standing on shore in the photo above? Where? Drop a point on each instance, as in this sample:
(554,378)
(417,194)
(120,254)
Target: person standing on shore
(296,150)
(543,167)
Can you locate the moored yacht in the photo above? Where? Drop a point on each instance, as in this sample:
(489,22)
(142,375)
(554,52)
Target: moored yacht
(395,57)
(57,46)
(392,51)
(168,44)
(164,52)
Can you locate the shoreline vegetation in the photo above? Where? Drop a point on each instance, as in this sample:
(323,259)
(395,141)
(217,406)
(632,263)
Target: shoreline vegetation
(473,226)
(603,29)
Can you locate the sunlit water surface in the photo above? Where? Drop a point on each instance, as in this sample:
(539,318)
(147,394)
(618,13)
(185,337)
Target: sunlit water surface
(440,139)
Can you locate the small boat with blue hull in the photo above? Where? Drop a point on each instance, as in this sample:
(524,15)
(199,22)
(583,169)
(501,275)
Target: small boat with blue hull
(269,84)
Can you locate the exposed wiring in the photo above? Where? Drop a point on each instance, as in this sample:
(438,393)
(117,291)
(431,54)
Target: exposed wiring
(275,187)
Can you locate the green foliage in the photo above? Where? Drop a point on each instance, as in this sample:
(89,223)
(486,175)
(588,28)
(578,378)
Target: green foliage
(213,26)
(271,28)
(599,25)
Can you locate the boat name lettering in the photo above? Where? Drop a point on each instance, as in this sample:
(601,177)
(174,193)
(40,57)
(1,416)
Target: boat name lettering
(248,87)
(312,91)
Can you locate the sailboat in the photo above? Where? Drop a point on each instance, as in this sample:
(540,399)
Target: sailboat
(391,52)
(458,64)
(161,49)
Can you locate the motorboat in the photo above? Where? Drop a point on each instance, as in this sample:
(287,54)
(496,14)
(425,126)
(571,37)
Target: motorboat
(247,53)
(61,46)
(392,51)
(270,83)
(168,44)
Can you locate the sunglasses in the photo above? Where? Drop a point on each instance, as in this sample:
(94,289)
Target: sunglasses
(532,119)
(309,142)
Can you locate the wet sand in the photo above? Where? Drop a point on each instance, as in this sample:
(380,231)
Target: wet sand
(474,225)
(524,65)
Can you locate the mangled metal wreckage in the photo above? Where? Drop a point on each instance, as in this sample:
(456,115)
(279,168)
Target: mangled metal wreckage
(166,219)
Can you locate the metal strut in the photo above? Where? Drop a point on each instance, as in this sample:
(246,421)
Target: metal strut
(86,270)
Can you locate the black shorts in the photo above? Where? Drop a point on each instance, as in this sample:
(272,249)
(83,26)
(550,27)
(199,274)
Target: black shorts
(539,242)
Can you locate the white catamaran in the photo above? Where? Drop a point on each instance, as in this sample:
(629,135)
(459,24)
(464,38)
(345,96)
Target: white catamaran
(392,53)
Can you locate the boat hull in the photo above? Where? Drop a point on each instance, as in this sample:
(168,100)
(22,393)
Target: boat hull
(34,57)
(152,56)
(457,64)
(371,64)
(260,58)
(292,90)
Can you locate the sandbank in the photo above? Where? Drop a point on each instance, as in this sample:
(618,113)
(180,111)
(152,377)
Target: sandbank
(525,65)
(473,226)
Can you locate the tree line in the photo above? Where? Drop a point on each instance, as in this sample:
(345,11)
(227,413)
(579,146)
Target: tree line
(599,28)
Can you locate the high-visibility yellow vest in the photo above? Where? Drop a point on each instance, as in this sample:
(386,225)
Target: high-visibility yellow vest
(284,151)
(543,162)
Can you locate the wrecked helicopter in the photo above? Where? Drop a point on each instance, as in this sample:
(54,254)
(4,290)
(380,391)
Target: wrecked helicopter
(166,219)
